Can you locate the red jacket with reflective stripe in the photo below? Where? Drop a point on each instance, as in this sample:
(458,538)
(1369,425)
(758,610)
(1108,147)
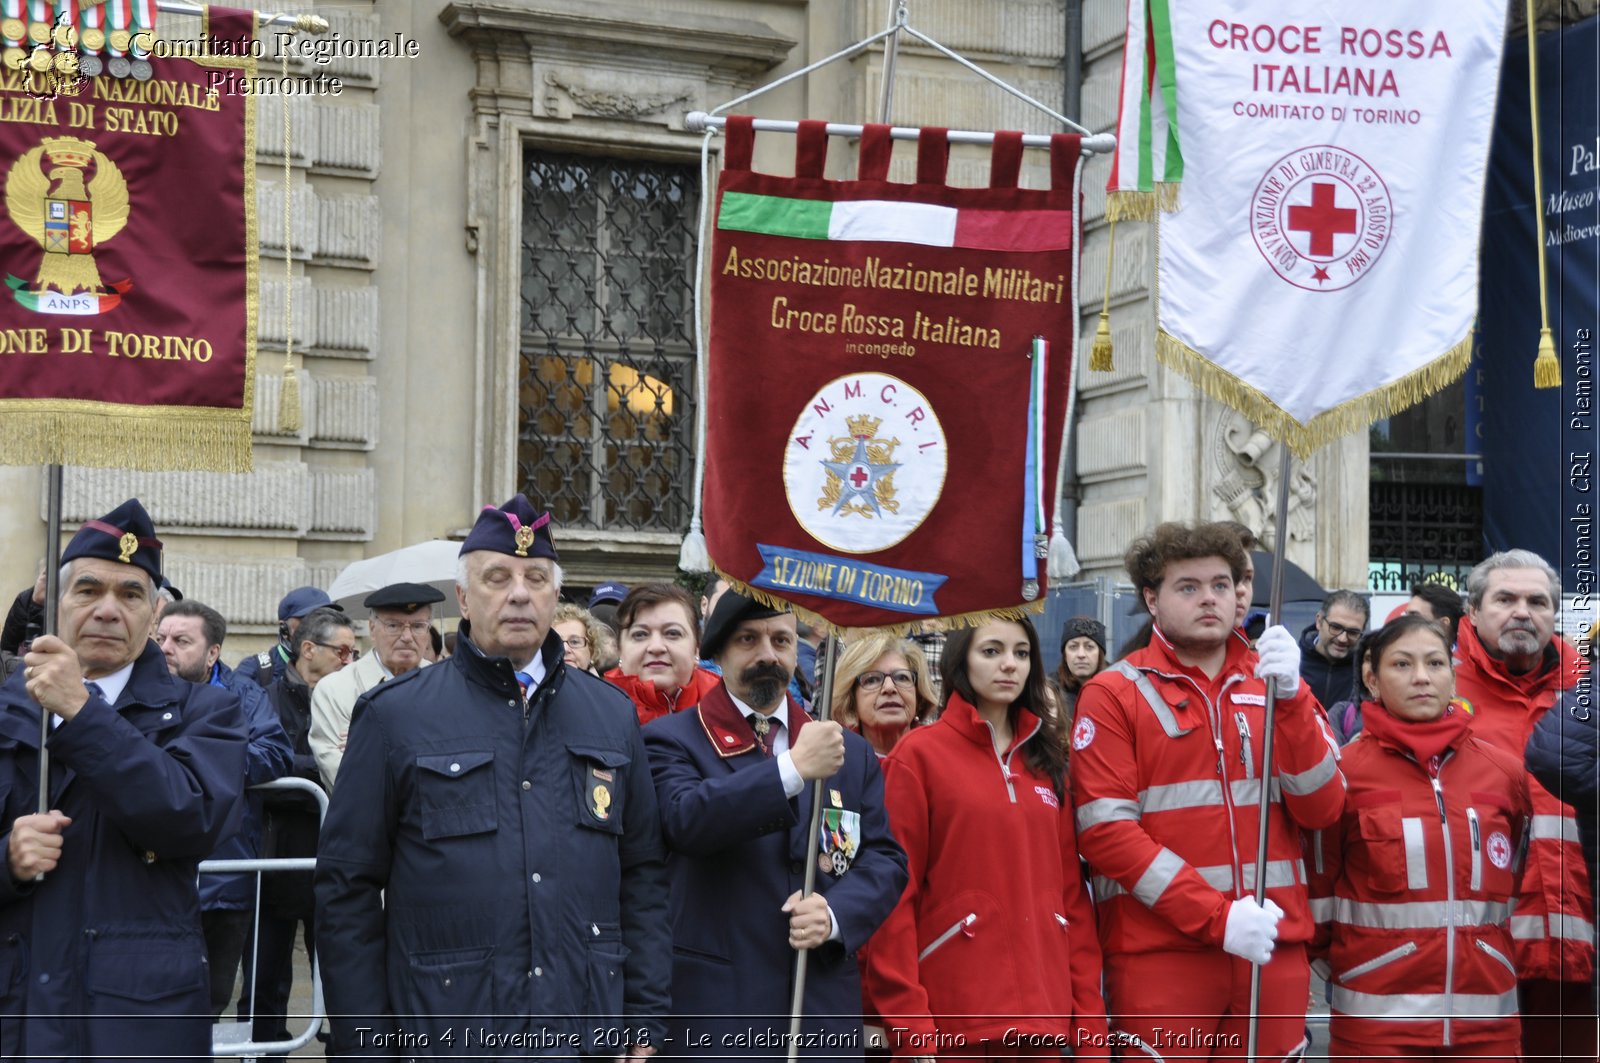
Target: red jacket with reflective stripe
(1551,923)
(1409,926)
(994,931)
(1170,832)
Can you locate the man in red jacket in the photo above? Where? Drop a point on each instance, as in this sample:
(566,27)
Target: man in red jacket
(1167,771)
(1510,668)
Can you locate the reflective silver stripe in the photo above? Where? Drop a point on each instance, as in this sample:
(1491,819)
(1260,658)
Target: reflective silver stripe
(1527,927)
(1382,960)
(1571,927)
(1200,793)
(1477,849)
(1424,1007)
(1416,853)
(1563,828)
(1420,915)
(1322,909)
(1248,791)
(1105,810)
(1316,850)
(1312,779)
(1279,873)
(1217,876)
(1147,690)
(1157,877)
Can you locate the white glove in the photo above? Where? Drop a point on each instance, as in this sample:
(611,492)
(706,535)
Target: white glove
(1252,930)
(1279,659)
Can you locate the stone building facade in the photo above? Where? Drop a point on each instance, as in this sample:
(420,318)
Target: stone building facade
(492,256)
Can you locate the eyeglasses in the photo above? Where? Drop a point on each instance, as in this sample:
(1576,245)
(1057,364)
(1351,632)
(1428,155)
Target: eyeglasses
(346,654)
(1339,631)
(903,677)
(576,642)
(418,628)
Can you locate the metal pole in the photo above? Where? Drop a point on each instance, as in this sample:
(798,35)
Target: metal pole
(797,1000)
(1274,615)
(52,598)
(891,52)
(700,121)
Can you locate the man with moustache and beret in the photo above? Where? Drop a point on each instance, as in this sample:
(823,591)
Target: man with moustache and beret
(491,878)
(101,950)
(735,779)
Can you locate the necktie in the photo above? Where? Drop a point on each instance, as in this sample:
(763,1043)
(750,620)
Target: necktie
(762,725)
(525,681)
(94,690)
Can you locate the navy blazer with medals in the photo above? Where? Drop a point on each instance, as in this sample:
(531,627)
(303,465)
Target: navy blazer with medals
(738,848)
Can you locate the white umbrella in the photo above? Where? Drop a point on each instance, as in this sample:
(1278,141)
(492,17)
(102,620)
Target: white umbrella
(432,563)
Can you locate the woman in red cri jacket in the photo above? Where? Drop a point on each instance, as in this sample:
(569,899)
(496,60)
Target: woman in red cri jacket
(992,951)
(1412,887)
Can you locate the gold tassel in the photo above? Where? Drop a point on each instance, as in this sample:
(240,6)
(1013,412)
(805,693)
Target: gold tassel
(290,417)
(1100,351)
(1546,367)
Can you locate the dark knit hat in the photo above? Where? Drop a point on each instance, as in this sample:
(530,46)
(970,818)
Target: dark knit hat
(1086,627)
(731,610)
(124,535)
(515,528)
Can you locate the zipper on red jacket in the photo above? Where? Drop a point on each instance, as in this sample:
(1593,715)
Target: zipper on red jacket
(1246,754)
(1434,766)
(963,926)
(1477,849)
(1005,764)
(1214,721)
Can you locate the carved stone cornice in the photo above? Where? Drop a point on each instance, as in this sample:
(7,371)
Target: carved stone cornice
(727,48)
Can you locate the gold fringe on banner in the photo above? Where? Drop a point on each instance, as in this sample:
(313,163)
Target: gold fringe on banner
(1130,206)
(40,432)
(1350,416)
(1167,196)
(910,627)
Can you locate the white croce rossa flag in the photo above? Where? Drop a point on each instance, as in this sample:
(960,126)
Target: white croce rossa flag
(1321,269)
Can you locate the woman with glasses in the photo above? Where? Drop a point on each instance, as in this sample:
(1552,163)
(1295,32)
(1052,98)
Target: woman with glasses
(1413,886)
(659,649)
(992,951)
(881,689)
(586,641)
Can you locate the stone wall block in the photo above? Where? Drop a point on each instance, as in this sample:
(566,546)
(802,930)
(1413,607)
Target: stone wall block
(1105,22)
(346,411)
(269,395)
(1112,443)
(1129,272)
(271,501)
(1031,29)
(347,137)
(347,321)
(346,27)
(350,230)
(269,125)
(1132,344)
(1106,528)
(270,322)
(244,590)
(1102,89)
(303,209)
(344,502)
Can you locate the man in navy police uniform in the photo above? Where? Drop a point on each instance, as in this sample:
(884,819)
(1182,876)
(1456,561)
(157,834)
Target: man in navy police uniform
(734,778)
(491,869)
(104,958)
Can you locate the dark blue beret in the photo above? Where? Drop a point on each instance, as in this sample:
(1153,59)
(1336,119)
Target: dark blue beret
(124,535)
(515,528)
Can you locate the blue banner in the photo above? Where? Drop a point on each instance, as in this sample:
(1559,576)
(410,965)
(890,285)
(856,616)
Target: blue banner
(1539,490)
(844,579)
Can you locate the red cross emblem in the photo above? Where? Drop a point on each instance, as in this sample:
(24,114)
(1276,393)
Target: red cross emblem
(1321,217)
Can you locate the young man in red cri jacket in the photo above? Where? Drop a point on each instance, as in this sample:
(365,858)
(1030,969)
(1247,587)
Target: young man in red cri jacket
(1167,769)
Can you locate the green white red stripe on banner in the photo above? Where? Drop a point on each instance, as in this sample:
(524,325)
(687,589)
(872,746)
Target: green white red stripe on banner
(78,304)
(893,221)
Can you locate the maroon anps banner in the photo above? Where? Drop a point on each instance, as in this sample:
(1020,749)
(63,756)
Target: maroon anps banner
(128,251)
(889,373)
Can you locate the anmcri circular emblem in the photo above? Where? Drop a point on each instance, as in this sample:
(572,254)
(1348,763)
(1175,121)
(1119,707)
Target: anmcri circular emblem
(1499,850)
(865,463)
(1321,217)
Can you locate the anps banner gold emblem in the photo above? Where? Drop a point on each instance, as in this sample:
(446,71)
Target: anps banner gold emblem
(69,217)
(129,545)
(524,539)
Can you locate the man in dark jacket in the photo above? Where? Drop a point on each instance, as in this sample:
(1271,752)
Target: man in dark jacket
(268,666)
(190,635)
(293,823)
(491,869)
(104,958)
(735,779)
(1327,647)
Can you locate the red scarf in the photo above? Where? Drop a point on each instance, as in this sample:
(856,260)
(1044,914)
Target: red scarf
(1423,739)
(649,699)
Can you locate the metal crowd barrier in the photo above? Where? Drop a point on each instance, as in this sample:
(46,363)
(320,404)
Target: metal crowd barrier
(233,1038)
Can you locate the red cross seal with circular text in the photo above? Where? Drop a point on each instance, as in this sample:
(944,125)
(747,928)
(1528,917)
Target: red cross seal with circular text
(1321,217)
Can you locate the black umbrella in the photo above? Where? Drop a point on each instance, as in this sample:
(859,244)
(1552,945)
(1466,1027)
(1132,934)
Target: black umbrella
(1298,585)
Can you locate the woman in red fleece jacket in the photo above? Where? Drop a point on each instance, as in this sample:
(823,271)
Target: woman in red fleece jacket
(659,645)
(992,950)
